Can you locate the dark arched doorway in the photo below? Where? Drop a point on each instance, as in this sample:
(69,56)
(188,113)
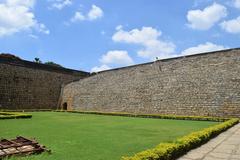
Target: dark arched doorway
(64,106)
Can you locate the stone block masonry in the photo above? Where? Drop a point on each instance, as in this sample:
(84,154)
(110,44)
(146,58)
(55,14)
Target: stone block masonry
(205,84)
(29,85)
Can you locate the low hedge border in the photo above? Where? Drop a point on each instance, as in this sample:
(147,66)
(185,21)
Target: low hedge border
(14,115)
(170,151)
(158,116)
(26,110)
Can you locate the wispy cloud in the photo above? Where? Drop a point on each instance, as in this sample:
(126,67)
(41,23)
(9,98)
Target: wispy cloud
(237,4)
(201,48)
(60,4)
(100,68)
(93,14)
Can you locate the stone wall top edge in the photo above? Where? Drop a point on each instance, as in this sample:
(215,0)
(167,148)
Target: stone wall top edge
(169,59)
(149,63)
(33,65)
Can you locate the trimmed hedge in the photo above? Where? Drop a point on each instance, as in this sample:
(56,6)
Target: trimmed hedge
(158,116)
(13,115)
(26,110)
(170,151)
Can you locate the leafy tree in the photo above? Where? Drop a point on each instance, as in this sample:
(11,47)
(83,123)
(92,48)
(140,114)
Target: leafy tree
(37,60)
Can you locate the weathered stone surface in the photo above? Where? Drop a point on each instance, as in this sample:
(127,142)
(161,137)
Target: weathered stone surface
(184,158)
(194,155)
(28,85)
(211,158)
(221,151)
(218,155)
(205,84)
(235,157)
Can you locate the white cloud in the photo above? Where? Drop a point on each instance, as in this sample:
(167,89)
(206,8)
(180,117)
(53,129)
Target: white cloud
(119,27)
(119,57)
(148,38)
(94,13)
(78,17)
(16,16)
(115,58)
(201,48)
(33,36)
(26,3)
(60,4)
(100,68)
(237,3)
(231,26)
(206,18)
(42,28)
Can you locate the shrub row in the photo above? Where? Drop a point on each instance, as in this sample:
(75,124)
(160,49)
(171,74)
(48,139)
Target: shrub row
(13,115)
(26,110)
(170,151)
(158,116)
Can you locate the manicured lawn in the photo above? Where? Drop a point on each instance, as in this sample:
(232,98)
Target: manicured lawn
(73,136)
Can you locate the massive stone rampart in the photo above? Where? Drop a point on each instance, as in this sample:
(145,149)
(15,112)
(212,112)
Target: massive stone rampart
(204,84)
(29,85)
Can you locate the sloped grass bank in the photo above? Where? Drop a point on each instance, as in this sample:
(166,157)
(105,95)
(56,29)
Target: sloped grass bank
(97,137)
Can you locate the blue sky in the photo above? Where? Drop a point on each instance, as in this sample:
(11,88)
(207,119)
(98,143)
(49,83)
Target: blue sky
(101,34)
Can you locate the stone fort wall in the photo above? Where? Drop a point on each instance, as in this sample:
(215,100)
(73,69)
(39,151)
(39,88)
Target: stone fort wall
(28,85)
(206,84)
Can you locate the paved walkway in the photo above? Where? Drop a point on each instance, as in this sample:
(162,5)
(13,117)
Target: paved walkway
(226,146)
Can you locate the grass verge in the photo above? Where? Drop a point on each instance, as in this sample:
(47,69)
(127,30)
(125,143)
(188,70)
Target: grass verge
(96,137)
(169,151)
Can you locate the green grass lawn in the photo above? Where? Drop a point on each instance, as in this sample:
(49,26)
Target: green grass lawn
(73,136)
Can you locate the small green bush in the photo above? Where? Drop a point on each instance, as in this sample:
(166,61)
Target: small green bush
(13,115)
